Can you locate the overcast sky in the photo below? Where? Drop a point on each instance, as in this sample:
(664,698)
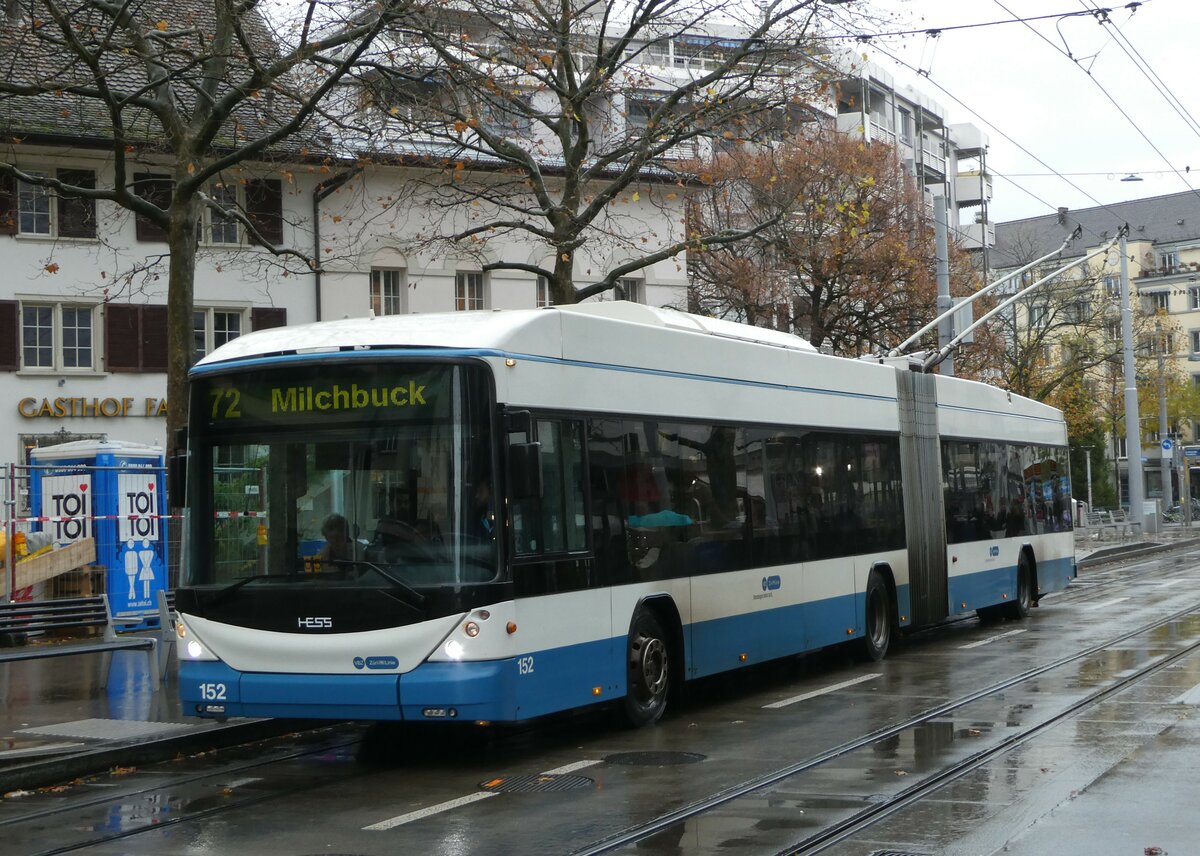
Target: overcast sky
(1021,85)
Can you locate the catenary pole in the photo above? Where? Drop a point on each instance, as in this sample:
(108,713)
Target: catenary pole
(1133,439)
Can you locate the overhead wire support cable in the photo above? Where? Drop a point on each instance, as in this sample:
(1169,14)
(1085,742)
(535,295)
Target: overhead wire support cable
(944,351)
(937,31)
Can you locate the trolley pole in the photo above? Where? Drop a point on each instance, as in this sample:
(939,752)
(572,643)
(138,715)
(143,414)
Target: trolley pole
(1133,437)
(945,302)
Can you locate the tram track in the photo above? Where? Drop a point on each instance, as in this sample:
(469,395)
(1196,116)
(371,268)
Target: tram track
(632,835)
(877,812)
(228,803)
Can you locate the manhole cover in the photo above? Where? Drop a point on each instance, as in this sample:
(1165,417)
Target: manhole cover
(536,784)
(654,759)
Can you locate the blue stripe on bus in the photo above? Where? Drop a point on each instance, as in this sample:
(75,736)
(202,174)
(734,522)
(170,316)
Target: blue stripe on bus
(970,592)
(558,679)
(458,353)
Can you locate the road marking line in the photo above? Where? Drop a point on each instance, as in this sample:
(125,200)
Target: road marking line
(991,639)
(402,819)
(1191,697)
(569,768)
(1169,583)
(1103,604)
(775,705)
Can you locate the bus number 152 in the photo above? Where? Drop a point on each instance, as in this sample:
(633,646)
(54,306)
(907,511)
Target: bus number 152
(525,665)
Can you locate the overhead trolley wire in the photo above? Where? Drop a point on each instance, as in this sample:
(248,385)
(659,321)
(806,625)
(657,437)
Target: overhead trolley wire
(1109,96)
(1006,136)
(1143,65)
(937,31)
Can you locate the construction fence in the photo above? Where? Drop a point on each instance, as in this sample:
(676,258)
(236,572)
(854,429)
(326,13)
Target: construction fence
(70,528)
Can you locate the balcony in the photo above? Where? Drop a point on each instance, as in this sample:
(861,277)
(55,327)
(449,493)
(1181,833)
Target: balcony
(974,236)
(972,188)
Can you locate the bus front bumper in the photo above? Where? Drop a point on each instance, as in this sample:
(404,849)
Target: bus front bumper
(433,692)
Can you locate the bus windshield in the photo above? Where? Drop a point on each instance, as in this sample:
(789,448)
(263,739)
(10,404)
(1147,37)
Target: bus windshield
(333,475)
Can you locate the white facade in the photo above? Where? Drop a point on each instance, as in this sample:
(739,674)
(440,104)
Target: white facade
(56,292)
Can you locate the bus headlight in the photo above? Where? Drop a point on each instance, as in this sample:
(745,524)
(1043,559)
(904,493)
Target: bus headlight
(454,649)
(193,648)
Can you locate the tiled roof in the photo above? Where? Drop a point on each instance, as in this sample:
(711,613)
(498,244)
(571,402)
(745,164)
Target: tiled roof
(30,56)
(1165,219)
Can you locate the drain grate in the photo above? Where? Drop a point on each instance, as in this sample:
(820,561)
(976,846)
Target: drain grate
(899,853)
(654,759)
(536,784)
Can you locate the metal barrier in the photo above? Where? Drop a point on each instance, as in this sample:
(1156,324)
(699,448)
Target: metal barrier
(107,530)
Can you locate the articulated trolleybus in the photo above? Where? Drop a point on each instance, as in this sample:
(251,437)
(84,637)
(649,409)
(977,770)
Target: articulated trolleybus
(491,516)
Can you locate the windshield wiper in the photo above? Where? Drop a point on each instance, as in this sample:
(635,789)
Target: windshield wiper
(224,593)
(415,597)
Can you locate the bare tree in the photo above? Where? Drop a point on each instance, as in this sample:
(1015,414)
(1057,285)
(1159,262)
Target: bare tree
(196,87)
(571,128)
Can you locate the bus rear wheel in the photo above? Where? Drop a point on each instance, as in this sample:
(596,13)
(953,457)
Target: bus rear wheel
(1019,608)
(648,670)
(878,619)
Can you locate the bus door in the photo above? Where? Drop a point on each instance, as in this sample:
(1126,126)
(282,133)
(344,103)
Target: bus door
(559,596)
(924,518)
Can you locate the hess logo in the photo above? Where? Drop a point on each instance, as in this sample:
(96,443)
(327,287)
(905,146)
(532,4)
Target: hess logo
(315,623)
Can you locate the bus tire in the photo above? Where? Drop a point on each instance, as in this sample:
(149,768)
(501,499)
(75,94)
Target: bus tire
(877,621)
(648,670)
(1019,608)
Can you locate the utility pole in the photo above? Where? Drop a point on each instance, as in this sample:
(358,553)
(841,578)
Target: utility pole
(1166,462)
(1088,460)
(1133,429)
(945,303)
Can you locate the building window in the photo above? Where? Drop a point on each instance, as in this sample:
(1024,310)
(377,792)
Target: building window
(387,291)
(468,291)
(1038,316)
(222,229)
(212,328)
(630,289)
(1112,286)
(56,337)
(1168,262)
(1156,301)
(1195,337)
(1121,449)
(44,212)
(33,208)
(544,297)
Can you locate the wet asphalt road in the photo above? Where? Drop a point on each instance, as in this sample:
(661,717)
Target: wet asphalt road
(353,790)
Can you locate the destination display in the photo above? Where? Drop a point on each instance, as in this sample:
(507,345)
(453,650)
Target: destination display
(323,395)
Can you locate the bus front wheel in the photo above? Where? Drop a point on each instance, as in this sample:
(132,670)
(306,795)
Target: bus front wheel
(878,619)
(648,670)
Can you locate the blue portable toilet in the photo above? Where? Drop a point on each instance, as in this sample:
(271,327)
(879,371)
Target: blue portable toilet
(114,492)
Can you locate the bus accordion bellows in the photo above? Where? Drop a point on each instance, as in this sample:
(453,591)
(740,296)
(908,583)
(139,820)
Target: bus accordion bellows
(492,516)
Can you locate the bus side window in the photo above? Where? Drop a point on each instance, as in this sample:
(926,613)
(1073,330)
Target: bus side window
(556,521)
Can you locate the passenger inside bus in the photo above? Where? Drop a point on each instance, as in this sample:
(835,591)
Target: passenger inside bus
(338,544)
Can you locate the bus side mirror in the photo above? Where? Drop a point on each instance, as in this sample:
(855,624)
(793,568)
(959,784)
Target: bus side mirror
(177,469)
(525,470)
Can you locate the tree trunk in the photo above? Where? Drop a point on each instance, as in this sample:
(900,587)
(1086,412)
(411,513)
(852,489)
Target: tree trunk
(562,287)
(181,239)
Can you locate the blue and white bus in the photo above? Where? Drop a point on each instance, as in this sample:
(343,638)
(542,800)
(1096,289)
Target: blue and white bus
(492,516)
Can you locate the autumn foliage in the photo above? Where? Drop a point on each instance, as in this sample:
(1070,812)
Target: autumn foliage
(849,265)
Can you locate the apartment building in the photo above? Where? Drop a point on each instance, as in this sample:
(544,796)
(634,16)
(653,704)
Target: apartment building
(948,160)
(1164,270)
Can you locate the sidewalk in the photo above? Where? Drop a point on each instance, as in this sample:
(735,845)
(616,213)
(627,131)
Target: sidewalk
(60,721)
